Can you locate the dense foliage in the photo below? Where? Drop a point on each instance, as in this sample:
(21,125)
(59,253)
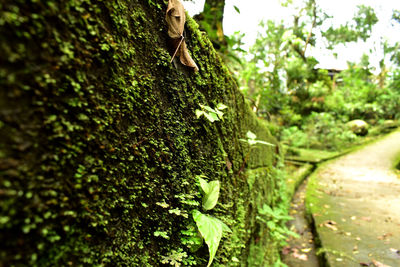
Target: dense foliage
(311,107)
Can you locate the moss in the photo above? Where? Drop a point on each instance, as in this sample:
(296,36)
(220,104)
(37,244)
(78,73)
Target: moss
(98,129)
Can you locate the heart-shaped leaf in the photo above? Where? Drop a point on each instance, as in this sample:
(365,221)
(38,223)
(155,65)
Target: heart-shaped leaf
(250,135)
(211,230)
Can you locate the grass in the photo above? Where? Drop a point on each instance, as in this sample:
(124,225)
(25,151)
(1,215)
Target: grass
(311,155)
(396,163)
(295,176)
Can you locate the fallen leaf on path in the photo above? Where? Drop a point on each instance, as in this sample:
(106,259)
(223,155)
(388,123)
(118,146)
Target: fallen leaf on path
(379,264)
(330,224)
(367,219)
(299,256)
(306,250)
(355,250)
(286,250)
(385,236)
(397,251)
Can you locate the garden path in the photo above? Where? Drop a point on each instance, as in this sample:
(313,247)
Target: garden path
(355,205)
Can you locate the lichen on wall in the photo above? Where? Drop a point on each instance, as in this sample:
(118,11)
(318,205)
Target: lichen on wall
(100,146)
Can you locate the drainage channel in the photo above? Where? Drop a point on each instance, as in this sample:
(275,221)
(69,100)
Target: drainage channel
(302,251)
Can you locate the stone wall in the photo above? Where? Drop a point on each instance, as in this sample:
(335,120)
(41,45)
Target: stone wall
(101,148)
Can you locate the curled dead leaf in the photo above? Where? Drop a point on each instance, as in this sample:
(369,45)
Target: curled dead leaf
(176,18)
(185,57)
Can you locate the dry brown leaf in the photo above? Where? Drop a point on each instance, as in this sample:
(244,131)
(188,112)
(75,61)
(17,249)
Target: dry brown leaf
(228,164)
(367,219)
(185,57)
(286,250)
(379,264)
(300,256)
(176,18)
(330,224)
(385,236)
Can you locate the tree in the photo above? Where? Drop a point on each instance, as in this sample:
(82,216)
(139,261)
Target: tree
(101,148)
(211,21)
(285,68)
(393,49)
(360,29)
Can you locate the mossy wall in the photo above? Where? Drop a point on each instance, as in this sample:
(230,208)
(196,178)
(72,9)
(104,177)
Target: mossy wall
(97,129)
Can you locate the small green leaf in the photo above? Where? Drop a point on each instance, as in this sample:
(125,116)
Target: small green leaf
(199,113)
(221,106)
(208,109)
(211,117)
(220,114)
(211,199)
(162,204)
(211,230)
(251,135)
(162,234)
(204,185)
(211,193)
(237,9)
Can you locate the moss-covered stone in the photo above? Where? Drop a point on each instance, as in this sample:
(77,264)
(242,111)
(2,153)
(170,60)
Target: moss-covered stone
(100,145)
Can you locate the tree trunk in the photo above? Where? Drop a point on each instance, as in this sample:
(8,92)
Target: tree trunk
(211,21)
(100,145)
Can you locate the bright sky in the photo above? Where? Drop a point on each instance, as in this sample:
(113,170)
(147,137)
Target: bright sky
(253,11)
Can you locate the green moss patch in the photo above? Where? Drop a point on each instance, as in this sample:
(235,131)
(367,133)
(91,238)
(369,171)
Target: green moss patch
(101,146)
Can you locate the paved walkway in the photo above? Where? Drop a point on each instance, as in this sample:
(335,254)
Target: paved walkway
(355,204)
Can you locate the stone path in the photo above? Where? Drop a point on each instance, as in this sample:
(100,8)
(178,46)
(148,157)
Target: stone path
(355,204)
